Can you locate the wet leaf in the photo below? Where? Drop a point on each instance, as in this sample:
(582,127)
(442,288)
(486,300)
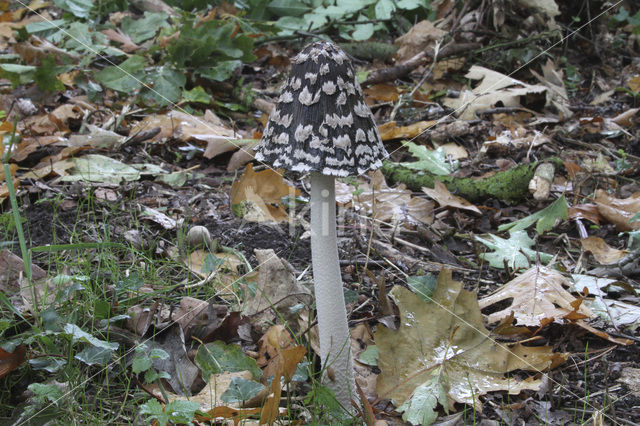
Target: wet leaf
(515,253)
(442,347)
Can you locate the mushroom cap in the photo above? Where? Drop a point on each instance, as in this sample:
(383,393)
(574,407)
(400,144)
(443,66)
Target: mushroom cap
(321,122)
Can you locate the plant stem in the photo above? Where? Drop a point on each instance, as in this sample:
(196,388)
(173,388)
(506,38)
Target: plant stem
(335,343)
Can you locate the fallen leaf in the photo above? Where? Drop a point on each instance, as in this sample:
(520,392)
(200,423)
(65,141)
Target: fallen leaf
(264,190)
(277,291)
(9,361)
(376,199)
(537,295)
(619,211)
(442,350)
(186,127)
(495,88)
(442,196)
(419,38)
(391,130)
(601,251)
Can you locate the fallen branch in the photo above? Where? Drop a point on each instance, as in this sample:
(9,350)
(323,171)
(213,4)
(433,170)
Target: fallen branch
(509,185)
(400,70)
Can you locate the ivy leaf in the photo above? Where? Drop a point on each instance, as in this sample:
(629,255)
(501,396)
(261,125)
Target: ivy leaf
(217,357)
(167,85)
(79,8)
(363,32)
(197,94)
(124,78)
(79,335)
(422,285)
(241,390)
(220,72)
(145,28)
(545,218)
(384,9)
(17,74)
(43,393)
(288,8)
(153,410)
(92,355)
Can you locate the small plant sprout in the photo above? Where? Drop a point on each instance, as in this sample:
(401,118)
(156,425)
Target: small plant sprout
(321,125)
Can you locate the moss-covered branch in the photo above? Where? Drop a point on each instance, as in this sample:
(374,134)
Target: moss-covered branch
(509,185)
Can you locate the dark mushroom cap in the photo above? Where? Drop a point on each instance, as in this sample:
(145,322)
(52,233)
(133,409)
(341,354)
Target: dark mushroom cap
(321,122)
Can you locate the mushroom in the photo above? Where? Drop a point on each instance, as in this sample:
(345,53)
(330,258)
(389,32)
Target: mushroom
(322,125)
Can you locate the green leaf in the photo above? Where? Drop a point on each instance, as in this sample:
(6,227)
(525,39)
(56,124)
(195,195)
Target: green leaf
(92,355)
(287,8)
(216,357)
(151,375)
(145,28)
(79,8)
(44,394)
(197,94)
(384,9)
(153,410)
(124,78)
(370,356)
(420,408)
(17,74)
(515,251)
(157,353)
(241,390)
(78,335)
(211,263)
(131,283)
(434,161)
(362,32)
(166,85)
(181,411)
(51,365)
(43,26)
(545,218)
(290,24)
(141,364)
(221,72)
(411,4)
(423,285)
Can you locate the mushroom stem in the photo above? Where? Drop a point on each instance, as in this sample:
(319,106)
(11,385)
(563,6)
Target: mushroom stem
(335,343)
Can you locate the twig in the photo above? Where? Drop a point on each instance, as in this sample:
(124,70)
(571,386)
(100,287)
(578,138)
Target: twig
(400,70)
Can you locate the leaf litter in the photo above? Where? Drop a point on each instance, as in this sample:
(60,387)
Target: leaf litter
(91,162)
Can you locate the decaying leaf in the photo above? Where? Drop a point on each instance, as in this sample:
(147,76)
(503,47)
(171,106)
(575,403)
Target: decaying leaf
(186,127)
(601,251)
(257,196)
(445,198)
(619,211)
(9,361)
(442,346)
(391,130)
(383,203)
(539,296)
(495,88)
(277,291)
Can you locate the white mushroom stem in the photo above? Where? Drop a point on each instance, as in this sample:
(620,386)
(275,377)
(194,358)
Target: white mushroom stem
(335,344)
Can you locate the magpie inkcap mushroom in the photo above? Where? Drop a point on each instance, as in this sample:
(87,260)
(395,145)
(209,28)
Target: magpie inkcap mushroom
(321,122)
(322,125)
